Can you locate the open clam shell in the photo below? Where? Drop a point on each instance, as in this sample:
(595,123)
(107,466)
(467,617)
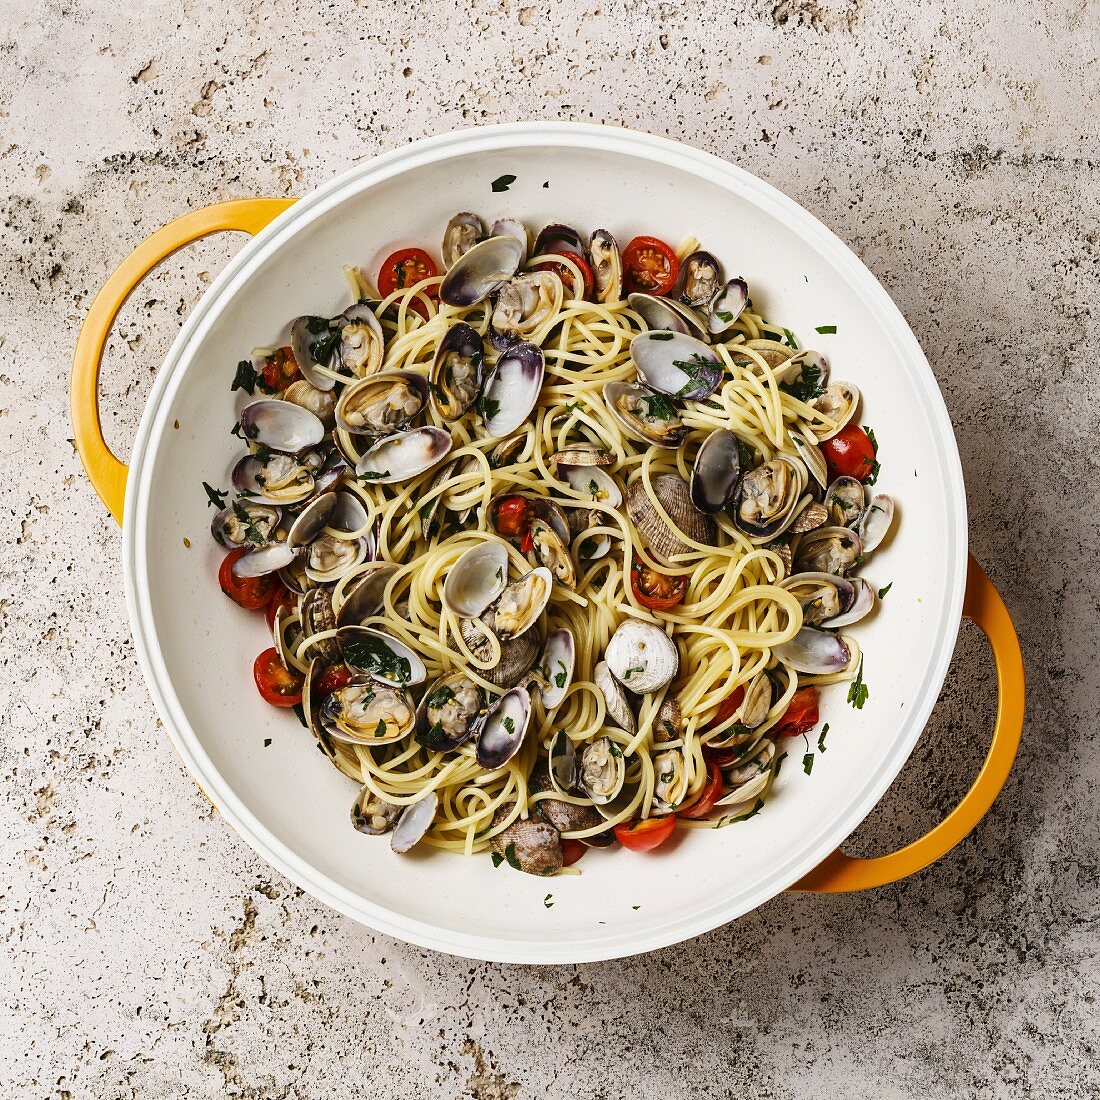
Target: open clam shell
(699,280)
(382,403)
(380,656)
(822,596)
(281,426)
(839,403)
(726,306)
(767,498)
(667,315)
(834,550)
(525,303)
(602,770)
(311,520)
(618,706)
(808,450)
(456,373)
(461,234)
(677,365)
(415,820)
(404,455)
(550,539)
(373,815)
(267,559)
(364,597)
(517,655)
(717,471)
(329,558)
(607,266)
(559,655)
(245,523)
(364,712)
(844,500)
(519,606)
(476,579)
(674,496)
(644,415)
(275,479)
(504,729)
(362,343)
(751,776)
(450,712)
(313,342)
(863,602)
(512,389)
(641,656)
(815,652)
(562,762)
(481,271)
(558,238)
(874,524)
(510,227)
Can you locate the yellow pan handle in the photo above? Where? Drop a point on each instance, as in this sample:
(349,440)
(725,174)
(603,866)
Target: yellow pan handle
(984,606)
(106,473)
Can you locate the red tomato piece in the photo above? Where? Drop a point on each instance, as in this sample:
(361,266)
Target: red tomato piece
(511,517)
(850,453)
(278,685)
(801,714)
(649,266)
(404,268)
(280,370)
(333,679)
(644,836)
(281,597)
(571,851)
(654,590)
(249,592)
(704,801)
(727,707)
(567,276)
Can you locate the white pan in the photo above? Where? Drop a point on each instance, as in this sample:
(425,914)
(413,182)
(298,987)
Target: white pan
(196,647)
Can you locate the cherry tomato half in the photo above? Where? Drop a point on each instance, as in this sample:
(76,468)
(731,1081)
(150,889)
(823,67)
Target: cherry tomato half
(281,597)
(727,707)
(704,801)
(278,686)
(511,517)
(801,714)
(849,453)
(649,266)
(280,369)
(567,276)
(249,592)
(654,590)
(405,268)
(644,836)
(333,679)
(571,851)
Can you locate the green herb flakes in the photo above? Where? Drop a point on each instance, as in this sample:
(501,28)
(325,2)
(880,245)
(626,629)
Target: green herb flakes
(660,335)
(562,676)
(502,183)
(779,764)
(826,330)
(245,378)
(548,901)
(791,341)
(808,763)
(821,737)
(508,724)
(858,690)
(882,591)
(267,742)
(630,671)
(216,497)
(511,857)
(487,407)
(498,859)
(724,821)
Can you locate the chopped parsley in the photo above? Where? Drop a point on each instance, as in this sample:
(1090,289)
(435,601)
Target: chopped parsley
(858,690)
(216,498)
(302,717)
(873,466)
(372,475)
(236,430)
(659,407)
(440,697)
(779,764)
(821,737)
(498,859)
(434,739)
(757,807)
(826,330)
(546,184)
(548,901)
(615,750)
(660,335)
(630,671)
(594,489)
(700,371)
(267,741)
(488,407)
(807,386)
(369,654)
(882,591)
(790,338)
(252,533)
(808,763)
(723,315)
(561,677)
(245,378)
(502,183)
(508,724)
(511,857)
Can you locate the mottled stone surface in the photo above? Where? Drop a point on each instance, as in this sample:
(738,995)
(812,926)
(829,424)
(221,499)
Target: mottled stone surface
(148,953)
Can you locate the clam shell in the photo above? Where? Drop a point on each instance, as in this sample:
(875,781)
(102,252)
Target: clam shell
(559,655)
(329,558)
(863,602)
(717,471)
(674,495)
(839,402)
(558,238)
(582,454)
(315,608)
(517,655)
(874,524)
(454,393)
(750,777)
(415,820)
(228,529)
(319,402)
(302,340)
(534,845)
(562,762)
(251,477)
(607,266)
(459,237)
(641,656)
(675,364)
(808,450)
(504,729)
(595,483)
(362,343)
(828,550)
(380,656)
(519,606)
(364,597)
(404,455)
(618,707)
(653,424)
(758,484)
(667,315)
(815,652)
(348,514)
(845,499)
(311,520)
(441,739)
(700,279)
(726,306)
(512,390)
(371,815)
(382,403)
(267,559)
(602,771)
(481,271)
(668,725)
(822,596)
(476,579)
(510,227)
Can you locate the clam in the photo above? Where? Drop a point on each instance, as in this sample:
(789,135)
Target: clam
(828,550)
(404,455)
(767,499)
(311,520)
(674,496)
(380,656)
(245,523)
(564,816)
(267,559)
(319,402)
(552,551)
(481,271)
(667,315)
(822,596)
(839,403)
(362,343)
(751,777)
(457,371)
(527,302)
(815,652)
(809,518)
(645,416)
(641,656)
(519,606)
(273,479)
(373,815)
(844,500)
(726,306)
(874,524)
(364,712)
(669,780)
(618,707)
(415,820)
(461,234)
(700,278)
(582,454)
(807,449)
(558,238)
(504,729)
(675,364)
(668,725)
(503,454)
(528,844)
(318,617)
(450,712)
(365,597)
(476,579)
(561,759)
(771,351)
(329,558)
(607,266)
(510,227)
(512,389)
(757,701)
(717,471)
(348,514)
(313,341)
(559,655)
(602,770)
(593,482)
(804,375)
(517,655)
(863,602)
(383,403)
(281,426)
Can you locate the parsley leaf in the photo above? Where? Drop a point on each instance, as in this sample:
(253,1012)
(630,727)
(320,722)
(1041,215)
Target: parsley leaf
(508,724)
(779,764)
(245,378)
(858,690)
(821,737)
(723,315)
(700,370)
(808,763)
(498,859)
(511,857)
(440,697)
(807,386)
(757,807)
(658,407)
(502,183)
(372,475)
(630,671)
(434,739)
(216,498)
(369,654)
(873,466)
(660,335)
(561,677)
(488,407)
(826,330)
(882,591)
(548,901)
(267,741)
(790,338)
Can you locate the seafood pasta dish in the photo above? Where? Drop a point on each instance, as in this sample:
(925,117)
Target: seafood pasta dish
(557,541)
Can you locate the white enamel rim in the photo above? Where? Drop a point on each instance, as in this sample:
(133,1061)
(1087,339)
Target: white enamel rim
(795,863)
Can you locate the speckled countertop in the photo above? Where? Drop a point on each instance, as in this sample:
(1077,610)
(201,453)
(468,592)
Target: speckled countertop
(148,952)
